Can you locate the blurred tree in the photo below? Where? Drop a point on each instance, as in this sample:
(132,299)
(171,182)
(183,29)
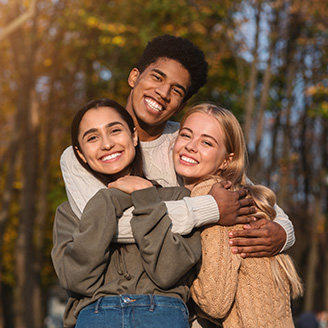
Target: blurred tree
(267,56)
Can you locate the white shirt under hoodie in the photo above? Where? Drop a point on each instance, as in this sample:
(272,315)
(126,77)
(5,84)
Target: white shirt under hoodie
(185,214)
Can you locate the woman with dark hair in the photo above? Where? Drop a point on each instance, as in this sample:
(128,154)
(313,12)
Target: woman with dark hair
(136,166)
(145,284)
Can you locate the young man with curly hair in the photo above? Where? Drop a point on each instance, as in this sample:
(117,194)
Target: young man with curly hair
(171,70)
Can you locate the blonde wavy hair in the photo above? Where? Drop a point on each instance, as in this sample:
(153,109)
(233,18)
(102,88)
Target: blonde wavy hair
(263,197)
(265,200)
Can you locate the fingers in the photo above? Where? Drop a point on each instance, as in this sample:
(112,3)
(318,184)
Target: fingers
(246,210)
(248,233)
(242,192)
(225,184)
(111,185)
(246,202)
(257,224)
(244,219)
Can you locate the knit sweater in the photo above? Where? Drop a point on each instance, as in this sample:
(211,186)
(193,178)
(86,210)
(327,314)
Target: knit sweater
(186,214)
(241,291)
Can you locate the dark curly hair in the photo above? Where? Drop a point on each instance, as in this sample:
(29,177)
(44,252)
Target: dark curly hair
(181,50)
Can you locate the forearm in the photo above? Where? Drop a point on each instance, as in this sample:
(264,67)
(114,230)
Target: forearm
(167,257)
(283,220)
(185,214)
(81,248)
(190,213)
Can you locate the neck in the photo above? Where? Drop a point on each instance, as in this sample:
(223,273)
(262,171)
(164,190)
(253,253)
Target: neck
(189,184)
(148,133)
(145,132)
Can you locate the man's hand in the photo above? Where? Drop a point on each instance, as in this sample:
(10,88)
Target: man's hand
(259,239)
(130,183)
(233,205)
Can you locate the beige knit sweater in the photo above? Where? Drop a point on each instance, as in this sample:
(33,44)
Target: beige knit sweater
(240,291)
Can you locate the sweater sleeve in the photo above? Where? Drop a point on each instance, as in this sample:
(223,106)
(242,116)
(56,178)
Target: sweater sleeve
(283,220)
(215,287)
(189,213)
(166,256)
(81,248)
(186,214)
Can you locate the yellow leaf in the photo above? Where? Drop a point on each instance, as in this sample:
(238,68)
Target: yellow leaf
(119,41)
(47,62)
(92,22)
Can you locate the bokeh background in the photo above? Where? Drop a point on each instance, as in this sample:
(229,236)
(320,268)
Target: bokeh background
(268,64)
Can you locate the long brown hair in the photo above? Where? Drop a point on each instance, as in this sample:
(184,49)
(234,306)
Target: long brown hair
(137,163)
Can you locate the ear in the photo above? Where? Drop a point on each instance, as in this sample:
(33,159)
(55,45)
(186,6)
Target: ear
(227,161)
(135,137)
(81,155)
(133,76)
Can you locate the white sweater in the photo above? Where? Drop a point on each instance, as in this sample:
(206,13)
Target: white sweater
(185,214)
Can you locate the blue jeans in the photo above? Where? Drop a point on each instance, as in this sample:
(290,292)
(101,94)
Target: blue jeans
(134,311)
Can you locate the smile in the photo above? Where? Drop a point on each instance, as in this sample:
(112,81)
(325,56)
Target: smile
(188,160)
(110,157)
(154,105)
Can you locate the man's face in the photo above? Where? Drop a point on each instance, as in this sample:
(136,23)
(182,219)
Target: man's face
(158,92)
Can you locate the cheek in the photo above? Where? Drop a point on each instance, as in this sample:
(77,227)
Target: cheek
(176,149)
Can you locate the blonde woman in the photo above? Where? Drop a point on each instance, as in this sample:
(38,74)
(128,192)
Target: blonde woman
(251,292)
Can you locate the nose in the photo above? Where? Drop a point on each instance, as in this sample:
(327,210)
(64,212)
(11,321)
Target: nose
(164,91)
(107,143)
(191,146)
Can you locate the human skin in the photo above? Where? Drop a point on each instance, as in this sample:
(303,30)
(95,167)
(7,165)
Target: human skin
(198,152)
(108,145)
(157,94)
(158,83)
(199,149)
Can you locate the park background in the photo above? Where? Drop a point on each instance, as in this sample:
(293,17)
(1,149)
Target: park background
(267,63)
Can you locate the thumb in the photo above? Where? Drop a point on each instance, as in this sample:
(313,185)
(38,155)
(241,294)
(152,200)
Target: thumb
(225,184)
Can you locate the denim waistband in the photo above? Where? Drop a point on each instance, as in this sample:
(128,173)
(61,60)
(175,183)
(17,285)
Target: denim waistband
(127,300)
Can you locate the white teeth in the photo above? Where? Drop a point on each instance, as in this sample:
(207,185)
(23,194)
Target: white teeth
(109,157)
(154,105)
(189,160)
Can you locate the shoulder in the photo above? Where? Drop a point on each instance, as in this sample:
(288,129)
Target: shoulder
(65,209)
(203,187)
(171,127)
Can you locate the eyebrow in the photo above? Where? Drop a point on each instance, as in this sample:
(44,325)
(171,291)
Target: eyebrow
(203,135)
(165,76)
(92,130)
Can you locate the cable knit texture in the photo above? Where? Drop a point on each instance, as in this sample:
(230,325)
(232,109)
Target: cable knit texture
(240,291)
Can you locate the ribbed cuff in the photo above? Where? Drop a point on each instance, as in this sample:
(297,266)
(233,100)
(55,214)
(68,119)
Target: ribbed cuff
(205,209)
(289,229)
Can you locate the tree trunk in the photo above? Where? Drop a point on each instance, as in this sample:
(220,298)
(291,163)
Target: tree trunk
(253,78)
(25,260)
(24,56)
(294,30)
(5,203)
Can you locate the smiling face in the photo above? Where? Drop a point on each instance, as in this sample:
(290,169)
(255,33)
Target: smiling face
(199,150)
(106,142)
(157,94)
